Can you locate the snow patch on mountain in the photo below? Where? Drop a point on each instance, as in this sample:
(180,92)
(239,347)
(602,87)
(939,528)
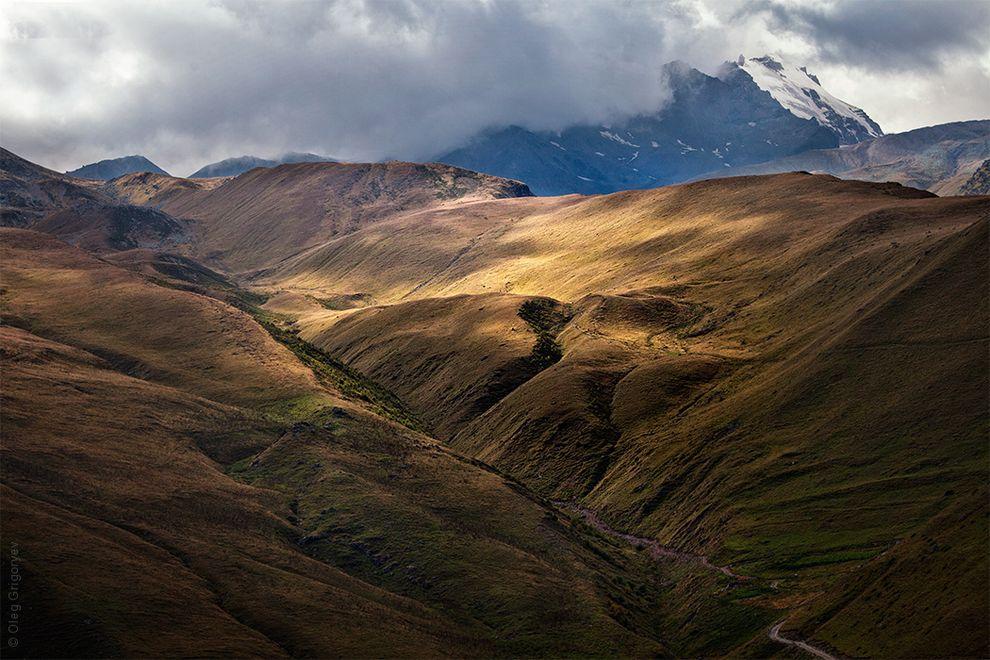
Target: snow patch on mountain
(802,94)
(608,135)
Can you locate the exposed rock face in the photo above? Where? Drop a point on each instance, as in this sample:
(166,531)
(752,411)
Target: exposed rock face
(979,183)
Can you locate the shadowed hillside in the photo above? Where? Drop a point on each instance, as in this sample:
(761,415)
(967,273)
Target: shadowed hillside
(30,191)
(80,212)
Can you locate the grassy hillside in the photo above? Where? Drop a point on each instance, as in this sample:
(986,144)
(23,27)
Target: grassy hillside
(783,377)
(243,497)
(153,189)
(268,214)
(463,353)
(788,374)
(64,294)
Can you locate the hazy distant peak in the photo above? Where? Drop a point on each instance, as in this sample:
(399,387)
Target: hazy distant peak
(111,168)
(304,157)
(231,167)
(241,164)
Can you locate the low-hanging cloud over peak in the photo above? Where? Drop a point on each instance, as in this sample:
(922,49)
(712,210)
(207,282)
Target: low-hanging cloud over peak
(185,83)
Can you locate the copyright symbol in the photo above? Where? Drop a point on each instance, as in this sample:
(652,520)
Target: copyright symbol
(12,642)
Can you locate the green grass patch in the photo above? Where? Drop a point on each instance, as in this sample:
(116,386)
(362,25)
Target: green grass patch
(334,373)
(545,317)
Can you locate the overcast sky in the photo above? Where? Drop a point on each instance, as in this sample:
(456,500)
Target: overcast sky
(186,83)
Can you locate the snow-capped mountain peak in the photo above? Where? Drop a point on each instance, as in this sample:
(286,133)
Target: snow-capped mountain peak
(802,94)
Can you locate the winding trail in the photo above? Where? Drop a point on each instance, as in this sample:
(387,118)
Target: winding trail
(656,549)
(804,646)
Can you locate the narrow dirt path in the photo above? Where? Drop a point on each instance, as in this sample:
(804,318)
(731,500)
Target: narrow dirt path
(804,646)
(656,549)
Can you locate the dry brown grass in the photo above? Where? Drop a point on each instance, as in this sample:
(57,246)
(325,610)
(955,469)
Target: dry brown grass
(167,336)
(152,189)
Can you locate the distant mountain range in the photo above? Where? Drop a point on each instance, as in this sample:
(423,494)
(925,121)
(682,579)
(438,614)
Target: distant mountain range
(753,111)
(759,115)
(111,168)
(241,164)
(939,158)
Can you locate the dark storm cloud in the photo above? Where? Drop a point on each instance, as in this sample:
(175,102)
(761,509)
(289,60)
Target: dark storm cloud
(901,35)
(189,82)
(358,79)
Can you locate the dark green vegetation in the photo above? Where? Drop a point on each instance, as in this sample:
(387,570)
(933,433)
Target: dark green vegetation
(405,520)
(937,575)
(334,373)
(341,302)
(546,318)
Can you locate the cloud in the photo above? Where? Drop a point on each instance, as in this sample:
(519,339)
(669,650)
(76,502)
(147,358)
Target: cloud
(909,63)
(186,83)
(901,36)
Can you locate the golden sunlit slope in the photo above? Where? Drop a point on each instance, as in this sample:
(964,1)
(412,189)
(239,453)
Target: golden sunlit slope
(371,262)
(572,246)
(267,214)
(409,348)
(155,333)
